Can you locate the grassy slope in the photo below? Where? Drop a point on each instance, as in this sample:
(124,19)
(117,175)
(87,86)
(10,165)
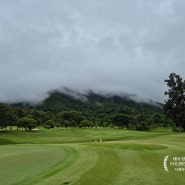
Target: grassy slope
(57,136)
(130,158)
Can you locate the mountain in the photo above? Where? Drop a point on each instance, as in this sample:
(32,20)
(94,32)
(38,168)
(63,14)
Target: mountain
(123,110)
(67,99)
(58,101)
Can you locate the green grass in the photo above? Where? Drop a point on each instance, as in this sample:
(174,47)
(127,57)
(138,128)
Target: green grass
(57,136)
(20,162)
(60,157)
(130,146)
(106,169)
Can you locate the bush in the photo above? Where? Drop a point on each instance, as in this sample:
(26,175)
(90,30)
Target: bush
(49,124)
(143,126)
(178,129)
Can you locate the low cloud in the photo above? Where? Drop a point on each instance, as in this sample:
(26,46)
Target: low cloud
(110,46)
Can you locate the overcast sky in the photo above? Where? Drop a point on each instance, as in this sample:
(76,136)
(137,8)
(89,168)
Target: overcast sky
(103,45)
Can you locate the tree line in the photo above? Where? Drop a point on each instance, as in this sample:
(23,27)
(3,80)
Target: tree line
(27,119)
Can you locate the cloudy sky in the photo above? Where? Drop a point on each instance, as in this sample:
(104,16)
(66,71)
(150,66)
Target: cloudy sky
(103,45)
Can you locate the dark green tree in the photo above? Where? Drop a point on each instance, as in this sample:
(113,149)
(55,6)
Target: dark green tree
(73,117)
(49,124)
(27,123)
(39,116)
(175,104)
(11,117)
(121,120)
(3,116)
(86,123)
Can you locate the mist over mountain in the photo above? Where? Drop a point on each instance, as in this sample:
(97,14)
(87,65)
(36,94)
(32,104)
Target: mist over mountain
(85,96)
(63,95)
(66,99)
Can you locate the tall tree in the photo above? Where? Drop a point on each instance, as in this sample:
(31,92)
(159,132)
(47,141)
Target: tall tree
(3,116)
(175,104)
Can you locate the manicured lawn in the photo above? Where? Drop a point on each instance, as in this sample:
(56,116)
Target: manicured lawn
(57,136)
(20,162)
(56,157)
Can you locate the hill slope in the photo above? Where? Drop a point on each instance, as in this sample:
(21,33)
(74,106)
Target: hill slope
(102,109)
(62,101)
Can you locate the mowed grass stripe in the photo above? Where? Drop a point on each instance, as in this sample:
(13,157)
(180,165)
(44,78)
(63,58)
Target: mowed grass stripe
(107,168)
(137,170)
(146,166)
(71,157)
(84,162)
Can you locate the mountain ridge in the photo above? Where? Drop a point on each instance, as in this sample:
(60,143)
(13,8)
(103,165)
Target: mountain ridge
(70,97)
(96,109)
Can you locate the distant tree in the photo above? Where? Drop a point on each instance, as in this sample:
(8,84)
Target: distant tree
(27,123)
(49,124)
(20,112)
(66,123)
(121,120)
(11,117)
(73,117)
(143,126)
(86,123)
(175,104)
(39,116)
(101,123)
(3,116)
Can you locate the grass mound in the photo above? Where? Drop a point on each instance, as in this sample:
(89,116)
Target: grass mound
(131,146)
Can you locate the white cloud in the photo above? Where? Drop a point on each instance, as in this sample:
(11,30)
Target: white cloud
(107,45)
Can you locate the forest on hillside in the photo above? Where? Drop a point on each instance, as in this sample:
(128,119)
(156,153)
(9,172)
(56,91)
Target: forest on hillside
(94,110)
(61,110)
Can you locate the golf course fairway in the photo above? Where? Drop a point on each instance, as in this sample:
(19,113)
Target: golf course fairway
(78,157)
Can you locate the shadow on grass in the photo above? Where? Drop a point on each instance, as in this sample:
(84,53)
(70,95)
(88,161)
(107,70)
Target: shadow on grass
(6,141)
